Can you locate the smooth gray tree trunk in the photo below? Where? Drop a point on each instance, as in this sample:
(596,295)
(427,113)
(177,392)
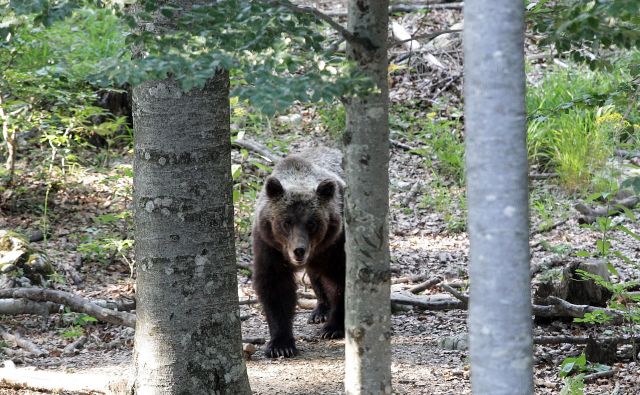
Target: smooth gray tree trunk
(188,338)
(496,159)
(366,140)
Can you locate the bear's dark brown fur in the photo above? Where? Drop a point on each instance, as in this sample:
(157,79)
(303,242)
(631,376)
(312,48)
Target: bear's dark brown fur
(298,225)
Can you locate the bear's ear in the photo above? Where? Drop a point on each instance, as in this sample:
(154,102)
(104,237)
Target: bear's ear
(326,189)
(274,188)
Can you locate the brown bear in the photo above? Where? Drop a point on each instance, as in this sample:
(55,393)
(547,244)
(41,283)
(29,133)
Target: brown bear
(298,225)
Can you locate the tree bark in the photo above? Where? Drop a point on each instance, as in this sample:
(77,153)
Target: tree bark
(188,338)
(188,327)
(496,155)
(366,139)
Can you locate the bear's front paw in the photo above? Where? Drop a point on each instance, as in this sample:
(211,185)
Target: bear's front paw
(281,348)
(319,314)
(332,332)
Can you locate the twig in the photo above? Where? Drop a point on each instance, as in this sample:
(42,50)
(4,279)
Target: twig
(599,375)
(427,36)
(22,343)
(400,144)
(425,285)
(74,302)
(351,38)
(542,176)
(258,148)
(248,301)
(550,227)
(72,348)
(452,79)
(457,294)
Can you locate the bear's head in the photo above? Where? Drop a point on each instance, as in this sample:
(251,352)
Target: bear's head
(303,221)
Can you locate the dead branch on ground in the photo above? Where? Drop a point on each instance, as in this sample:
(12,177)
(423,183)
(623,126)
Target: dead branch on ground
(431,302)
(74,347)
(73,302)
(616,206)
(22,343)
(425,285)
(26,306)
(584,339)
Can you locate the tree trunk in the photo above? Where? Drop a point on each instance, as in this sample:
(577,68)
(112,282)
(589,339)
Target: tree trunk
(366,139)
(500,307)
(188,338)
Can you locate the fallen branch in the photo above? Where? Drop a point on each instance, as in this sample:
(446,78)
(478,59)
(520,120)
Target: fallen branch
(425,285)
(599,375)
(584,340)
(561,308)
(426,36)
(589,214)
(74,347)
(26,306)
(74,302)
(121,304)
(431,302)
(457,294)
(22,343)
(401,145)
(23,379)
(247,301)
(257,148)
(550,227)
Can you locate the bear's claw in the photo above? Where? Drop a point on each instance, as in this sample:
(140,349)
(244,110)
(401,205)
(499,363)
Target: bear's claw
(332,332)
(318,315)
(281,348)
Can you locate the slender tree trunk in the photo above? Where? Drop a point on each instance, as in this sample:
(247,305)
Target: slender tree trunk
(188,338)
(367,308)
(496,154)
(10,140)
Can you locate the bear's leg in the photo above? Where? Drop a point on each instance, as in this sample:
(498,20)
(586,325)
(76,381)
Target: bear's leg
(275,285)
(320,313)
(334,327)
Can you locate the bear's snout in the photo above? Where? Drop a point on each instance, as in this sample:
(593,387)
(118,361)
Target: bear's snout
(299,254)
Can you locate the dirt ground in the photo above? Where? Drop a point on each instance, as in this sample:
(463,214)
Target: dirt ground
(420,245)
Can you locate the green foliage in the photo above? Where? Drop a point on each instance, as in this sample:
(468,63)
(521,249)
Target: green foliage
(77,322)
(276,57)
(621,299)
(334,119)
(579,364)
(573,385)
(584,27)
(577,119)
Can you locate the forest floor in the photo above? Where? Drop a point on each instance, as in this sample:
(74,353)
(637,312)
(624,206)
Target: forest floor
(424,242)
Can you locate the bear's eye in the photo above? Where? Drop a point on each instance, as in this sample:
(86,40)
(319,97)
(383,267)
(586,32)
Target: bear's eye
(286,224)
(312,226)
